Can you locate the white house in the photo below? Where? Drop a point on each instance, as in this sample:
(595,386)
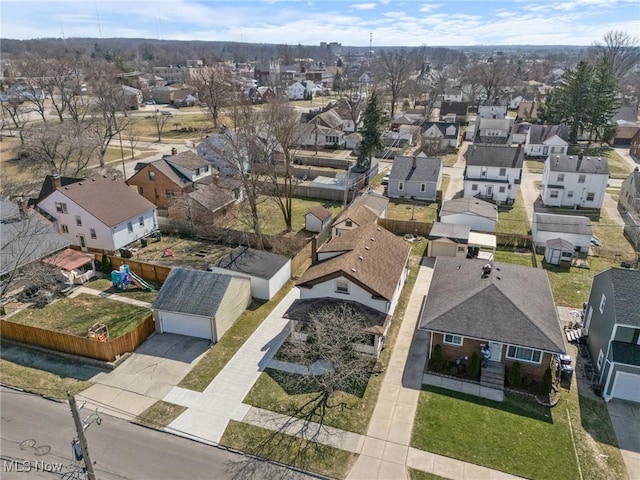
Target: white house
(267,271)
(296,91)
(493,172)
(99,213)
(492,111)
(200,304)
(481,216)
(574,229)
(318,135)
(493,131)
(452,95)
(545,140)
(317,219)
(444,135)
(225,152)
(574,181)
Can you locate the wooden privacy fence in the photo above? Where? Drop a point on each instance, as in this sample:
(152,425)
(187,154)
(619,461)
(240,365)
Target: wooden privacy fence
(148,271)
(406,226)
(74,345)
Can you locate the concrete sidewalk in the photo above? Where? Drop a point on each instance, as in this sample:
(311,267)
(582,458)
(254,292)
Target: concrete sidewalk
(110,296)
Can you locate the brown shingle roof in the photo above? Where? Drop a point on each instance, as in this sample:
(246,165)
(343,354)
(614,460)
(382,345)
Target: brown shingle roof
(320,212)
(110,201)
(360,215)
(187,160)
(375,259)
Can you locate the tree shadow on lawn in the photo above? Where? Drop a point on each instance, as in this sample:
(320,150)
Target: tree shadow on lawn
(295,384)
(521,405)
(595,420)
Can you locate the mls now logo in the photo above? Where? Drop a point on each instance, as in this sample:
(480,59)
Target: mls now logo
(24,466)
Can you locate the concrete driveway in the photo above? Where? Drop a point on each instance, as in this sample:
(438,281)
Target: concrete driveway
(146,376)
(625,417)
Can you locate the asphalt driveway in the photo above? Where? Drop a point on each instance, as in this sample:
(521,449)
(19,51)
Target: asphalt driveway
(625,417)
(146,376)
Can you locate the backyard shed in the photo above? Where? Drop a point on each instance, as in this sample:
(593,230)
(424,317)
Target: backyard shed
(267,271)
(559,251)
(317,219)
(200,304)
(448,240)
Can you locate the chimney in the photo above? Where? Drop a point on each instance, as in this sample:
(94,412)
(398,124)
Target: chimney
(57,181)
(314,250)
(174,151)
(413,162)
(580,155)
(22,206)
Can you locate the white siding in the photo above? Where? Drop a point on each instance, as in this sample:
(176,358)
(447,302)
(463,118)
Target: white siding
(234,302)
(578,240)
(312,223)
(356,293)
(121,235)
(574,193)
(261,288)
(474,175)
(278,280)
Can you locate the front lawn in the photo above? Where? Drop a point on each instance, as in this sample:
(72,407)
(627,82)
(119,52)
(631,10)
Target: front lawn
(75,316)
(515,436)
(510,255)
(160,414)
(513,219)
(39,381)
(104,285)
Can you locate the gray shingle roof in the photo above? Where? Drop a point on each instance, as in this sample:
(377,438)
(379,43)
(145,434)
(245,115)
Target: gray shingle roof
(188,160)
(539,133)
(373,200)
(427,169)
(194,292)
(442,126)
(627,353)
(560,243)
(626,295)
(549,222)
(450,230)
(495,156)
(471,205)
(513,305)
(572,163)
(459,108)
(256,263)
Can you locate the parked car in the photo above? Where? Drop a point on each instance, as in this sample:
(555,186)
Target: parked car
(595,241)
(150,102)
(385,180)
(166,112)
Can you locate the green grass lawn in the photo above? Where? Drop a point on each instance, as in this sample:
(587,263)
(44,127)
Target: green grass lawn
(416,210)
(353,410)
(160,414)
(273,222)
(38,381)
(328,461)
(534,166)
(515,436)
(508,255)
(146,127)
(75,316)
(419,475)
(104,285)
(449,160)
(513,219)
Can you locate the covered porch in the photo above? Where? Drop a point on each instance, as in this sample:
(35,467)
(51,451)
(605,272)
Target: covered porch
(74,267)
(481,245)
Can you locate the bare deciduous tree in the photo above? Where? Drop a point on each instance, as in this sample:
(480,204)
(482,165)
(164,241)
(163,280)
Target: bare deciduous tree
(18,113)
(492,77)
(159,121)
(215,89)
(620,49)
(393,70)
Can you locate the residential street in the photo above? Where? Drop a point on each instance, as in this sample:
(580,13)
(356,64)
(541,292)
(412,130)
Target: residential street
(119,449)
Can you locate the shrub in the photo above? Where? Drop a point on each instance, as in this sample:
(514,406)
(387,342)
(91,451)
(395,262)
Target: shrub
(514,375)
(105,265)
(547,382)
(453,370)
(473,367)
(437,359)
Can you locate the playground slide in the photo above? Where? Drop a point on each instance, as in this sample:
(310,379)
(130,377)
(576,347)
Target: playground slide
(139,282)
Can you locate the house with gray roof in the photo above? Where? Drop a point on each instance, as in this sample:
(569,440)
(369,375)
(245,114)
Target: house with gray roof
(574,181)
(493,172)
(575,229)
(472,304)
(441,135)
(612,325)
(374,201)
(267,271)
(416,178)
(200,304)
(481,216)
(544,140)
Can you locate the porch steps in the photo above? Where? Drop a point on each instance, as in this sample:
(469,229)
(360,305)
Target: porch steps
(492,376)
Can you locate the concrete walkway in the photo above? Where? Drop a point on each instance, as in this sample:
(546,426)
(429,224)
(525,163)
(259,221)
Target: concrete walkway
(110,296)
(208,413)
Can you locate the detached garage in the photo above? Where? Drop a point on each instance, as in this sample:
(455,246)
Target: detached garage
(200,304)
(448,240)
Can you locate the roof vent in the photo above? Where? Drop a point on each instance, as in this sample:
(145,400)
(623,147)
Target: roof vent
(366,247)
(353,270)
(93,179)
(360,257)
(372,239)
(378,229)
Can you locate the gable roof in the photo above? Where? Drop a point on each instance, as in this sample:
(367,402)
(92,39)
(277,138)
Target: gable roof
(459,108)
(513,305)
(574,163)
(538,134)
(48,185)
(194,292)
(373,200)
(256,263)
(320,212)
(495,156)
(626,285)
(187,159)
(636,181)
(171,173)
(550,222)
(360,215)
(212,197)
(427,169)
(451,231)
(374,258)
(442,127)
(109,201)
(560,244)
(469,205)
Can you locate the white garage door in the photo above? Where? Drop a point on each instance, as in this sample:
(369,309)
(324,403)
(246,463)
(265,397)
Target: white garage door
(186,325)
(626,387)
(441,249)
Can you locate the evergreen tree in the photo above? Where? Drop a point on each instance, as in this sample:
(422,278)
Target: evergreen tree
(372,121)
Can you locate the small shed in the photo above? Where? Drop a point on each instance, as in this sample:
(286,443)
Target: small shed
(267,271)
(74,267)
(559,251)
(481,216)
(200,304)
(448,240)
(317,219)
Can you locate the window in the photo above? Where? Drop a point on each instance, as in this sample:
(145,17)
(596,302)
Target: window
(502,189)
(342,286)
(152,175)
(453,340)
(197,171)
(400,185)
(206,169)
(130,227)
(524,354)
(348,223)
(553,194)
(78,221)
(582,178)
(474,186)
(92,232)
(141,221)
(169,194)
(603,302)
(155,191)
(560,177)
(570,194)
(600,359)
(140,190)
(590,196)
(64,229)
(61,207)
(423,187)
(503,172)
(483,172)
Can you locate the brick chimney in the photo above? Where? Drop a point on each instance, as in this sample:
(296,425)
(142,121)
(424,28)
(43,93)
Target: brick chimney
(174,151)
(314,250)
(413,162)
(580,155)
(56,180)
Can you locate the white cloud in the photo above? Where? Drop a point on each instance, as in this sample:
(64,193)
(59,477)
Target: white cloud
(429,7)
(364,6)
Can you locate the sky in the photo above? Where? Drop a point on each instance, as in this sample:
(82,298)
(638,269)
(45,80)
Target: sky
(309,22)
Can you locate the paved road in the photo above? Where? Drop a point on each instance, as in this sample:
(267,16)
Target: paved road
(119,449)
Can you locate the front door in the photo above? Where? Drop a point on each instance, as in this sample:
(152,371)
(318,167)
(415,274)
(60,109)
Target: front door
(83,244)
(496,351)
(489,190)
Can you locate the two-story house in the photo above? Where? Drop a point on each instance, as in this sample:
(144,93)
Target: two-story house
(545,140)
(612,323)
(572,181)
(493,172)
(416,177)
(99,213)
(441,136)
(172,176)
(493,131)
(630,202)
(454,112)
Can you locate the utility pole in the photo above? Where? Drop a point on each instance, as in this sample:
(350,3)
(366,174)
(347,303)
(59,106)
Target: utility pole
(81,438)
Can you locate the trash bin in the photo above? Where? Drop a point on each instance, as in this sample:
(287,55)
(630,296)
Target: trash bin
(143,242)
(158,235)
